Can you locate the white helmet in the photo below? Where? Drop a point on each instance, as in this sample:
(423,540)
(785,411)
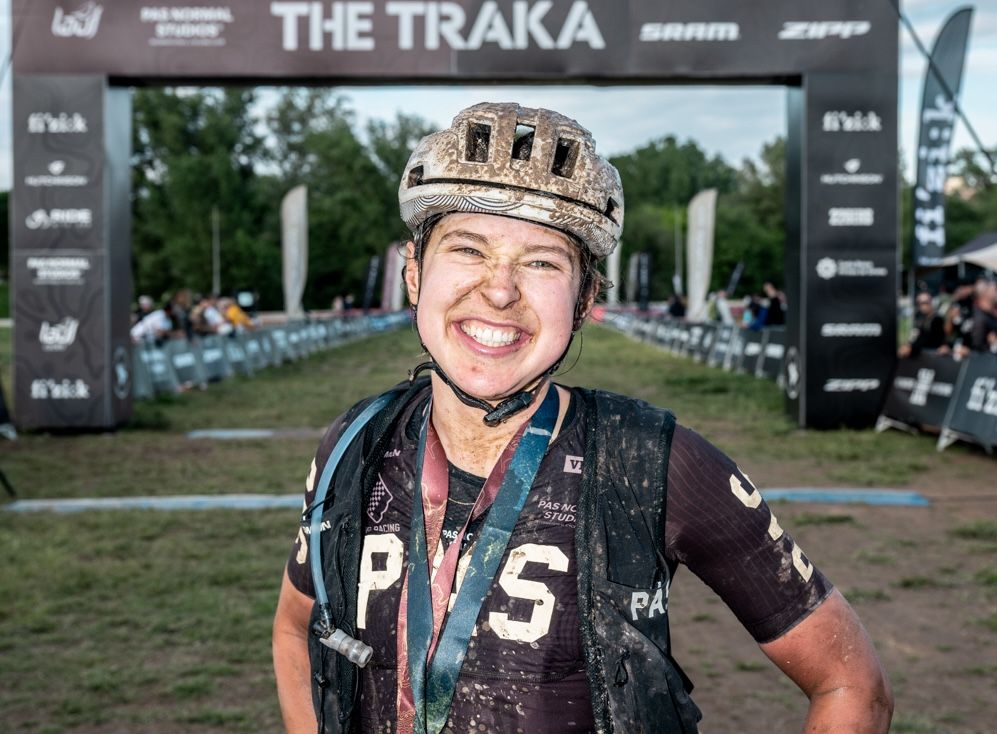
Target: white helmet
(532,164)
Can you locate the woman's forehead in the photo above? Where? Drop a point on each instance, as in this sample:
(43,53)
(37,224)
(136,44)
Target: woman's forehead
(495,229)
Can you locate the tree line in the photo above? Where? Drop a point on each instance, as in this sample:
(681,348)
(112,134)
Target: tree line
(235,151)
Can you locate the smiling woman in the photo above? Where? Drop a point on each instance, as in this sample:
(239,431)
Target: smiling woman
(496,546)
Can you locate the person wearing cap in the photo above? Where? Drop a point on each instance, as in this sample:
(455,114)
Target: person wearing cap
(489,551)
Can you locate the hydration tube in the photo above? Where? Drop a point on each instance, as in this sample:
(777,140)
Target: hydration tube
(354,650)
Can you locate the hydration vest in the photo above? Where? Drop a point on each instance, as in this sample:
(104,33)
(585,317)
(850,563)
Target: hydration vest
(623,577)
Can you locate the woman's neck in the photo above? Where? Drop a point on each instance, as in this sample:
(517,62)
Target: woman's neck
(469,443)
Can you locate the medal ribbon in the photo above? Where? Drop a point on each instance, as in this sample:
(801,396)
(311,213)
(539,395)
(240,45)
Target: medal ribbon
(424,696)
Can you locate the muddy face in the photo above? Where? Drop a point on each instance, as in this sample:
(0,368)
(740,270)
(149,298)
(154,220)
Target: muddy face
(496,300)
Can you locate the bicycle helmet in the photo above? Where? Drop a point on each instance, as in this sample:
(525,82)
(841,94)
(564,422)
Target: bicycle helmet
(532,164)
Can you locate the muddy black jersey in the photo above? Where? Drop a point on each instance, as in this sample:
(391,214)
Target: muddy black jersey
(524,668)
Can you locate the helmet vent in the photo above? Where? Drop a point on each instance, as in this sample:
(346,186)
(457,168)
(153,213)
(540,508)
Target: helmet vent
(611,209)
(565,156)
(479,136)
(415,176)
(522,144)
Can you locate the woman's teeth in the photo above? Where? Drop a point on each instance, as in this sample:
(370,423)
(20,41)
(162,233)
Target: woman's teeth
(490,337)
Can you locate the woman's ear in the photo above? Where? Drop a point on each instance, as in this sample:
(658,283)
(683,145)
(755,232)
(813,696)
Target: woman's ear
(411,273)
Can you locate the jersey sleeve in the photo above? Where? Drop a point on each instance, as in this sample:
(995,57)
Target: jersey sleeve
(718,525)
(298,568)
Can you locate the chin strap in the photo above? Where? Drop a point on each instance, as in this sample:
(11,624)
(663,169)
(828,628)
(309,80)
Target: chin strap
(509,406)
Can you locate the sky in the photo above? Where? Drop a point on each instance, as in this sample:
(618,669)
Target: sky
(624,118)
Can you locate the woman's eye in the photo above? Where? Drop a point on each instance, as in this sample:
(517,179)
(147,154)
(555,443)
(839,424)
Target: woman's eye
(544,265)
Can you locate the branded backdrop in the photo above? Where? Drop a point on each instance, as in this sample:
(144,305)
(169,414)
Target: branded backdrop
(838,59)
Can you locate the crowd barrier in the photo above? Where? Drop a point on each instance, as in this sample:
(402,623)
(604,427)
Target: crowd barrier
(956,399)
(180,364)
(758,353)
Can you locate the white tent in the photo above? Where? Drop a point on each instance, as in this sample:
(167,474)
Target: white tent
(981,251)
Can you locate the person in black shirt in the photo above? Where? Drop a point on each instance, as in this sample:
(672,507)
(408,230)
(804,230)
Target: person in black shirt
(929,329)
(467,579)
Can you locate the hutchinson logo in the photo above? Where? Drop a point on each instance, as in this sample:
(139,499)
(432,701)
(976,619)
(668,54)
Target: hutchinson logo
(58,337)
(59,219)
(80,23)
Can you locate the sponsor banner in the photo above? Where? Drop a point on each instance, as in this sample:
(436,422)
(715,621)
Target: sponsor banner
(773,352)
(973,412)
(294,246)
(708,333)
(922,389)
(850,165)
(751,351)
(721,344)
(448,39)
(58,134)
(942,76)
(61,349)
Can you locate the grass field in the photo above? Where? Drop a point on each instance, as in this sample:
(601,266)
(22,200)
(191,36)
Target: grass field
(159,622)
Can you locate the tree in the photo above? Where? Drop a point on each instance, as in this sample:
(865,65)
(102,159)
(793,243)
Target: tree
(194,152)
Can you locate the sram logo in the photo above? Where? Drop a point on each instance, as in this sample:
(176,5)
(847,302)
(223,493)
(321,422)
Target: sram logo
(690,32)
(814,30)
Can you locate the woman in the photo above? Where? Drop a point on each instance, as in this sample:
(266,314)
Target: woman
(523,586)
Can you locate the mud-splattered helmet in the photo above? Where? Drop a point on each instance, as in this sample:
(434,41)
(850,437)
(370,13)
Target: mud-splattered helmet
(532,164)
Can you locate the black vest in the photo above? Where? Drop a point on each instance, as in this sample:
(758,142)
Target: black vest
(623,577)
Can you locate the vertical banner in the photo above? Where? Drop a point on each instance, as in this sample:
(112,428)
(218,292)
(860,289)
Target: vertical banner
(942,78)
(643,280)
(373,267)
(72,365)
(699,258)
(393,288)
(294,245)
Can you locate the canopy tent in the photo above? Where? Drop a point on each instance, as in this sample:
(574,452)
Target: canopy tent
(981,251)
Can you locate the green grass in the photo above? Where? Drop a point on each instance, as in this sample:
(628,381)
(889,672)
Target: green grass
(982,530)
(866,595)
(4,300)
(810,518)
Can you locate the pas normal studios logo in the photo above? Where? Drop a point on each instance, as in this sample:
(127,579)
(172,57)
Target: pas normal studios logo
(80,23)
(828,268)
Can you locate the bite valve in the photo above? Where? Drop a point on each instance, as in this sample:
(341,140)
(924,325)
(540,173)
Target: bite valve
(351,648)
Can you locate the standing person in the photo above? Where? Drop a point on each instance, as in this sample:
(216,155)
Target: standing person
(539,511)
(929,329)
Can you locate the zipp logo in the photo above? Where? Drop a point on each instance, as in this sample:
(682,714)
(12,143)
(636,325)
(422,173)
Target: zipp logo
(58,337)
(80,23)
(573,464)
(815,30)
(690,32)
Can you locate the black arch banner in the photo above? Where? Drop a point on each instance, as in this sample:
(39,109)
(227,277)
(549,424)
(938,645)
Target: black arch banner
(70,205)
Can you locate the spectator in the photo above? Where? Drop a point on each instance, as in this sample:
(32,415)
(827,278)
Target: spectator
(154,328)
(981,336)
(208,320)
(929,329)
(775,313)
(959,315)
(724,315)
(180,308)
(676,307)
(235,316)
(145,306)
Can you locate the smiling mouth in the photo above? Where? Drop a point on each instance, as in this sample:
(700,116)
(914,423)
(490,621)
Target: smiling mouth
(491,336)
